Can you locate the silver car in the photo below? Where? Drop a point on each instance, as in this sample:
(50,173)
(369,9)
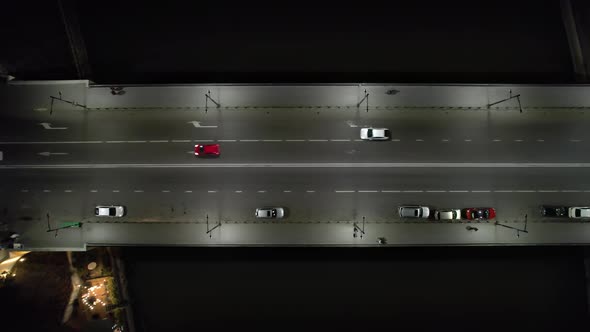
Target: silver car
(447,214)
(109,211)
(414,211)
(579,212)
(270,212)
(375,134)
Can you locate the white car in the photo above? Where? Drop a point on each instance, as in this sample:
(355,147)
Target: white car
(270,212)
(109,211)
(579,212)
(375,134)
(414,212)
(447,214)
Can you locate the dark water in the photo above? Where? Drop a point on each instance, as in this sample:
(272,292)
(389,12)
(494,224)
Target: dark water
(302,41)
(479,289)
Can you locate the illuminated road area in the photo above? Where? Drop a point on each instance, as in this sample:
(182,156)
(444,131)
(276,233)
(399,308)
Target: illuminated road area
(337,189)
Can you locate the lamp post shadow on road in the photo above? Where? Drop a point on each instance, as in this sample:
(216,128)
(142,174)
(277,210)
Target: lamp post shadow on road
(217,225)
(518,230)
(358,231)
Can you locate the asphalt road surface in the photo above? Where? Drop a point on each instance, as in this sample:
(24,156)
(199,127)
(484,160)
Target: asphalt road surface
(57,167)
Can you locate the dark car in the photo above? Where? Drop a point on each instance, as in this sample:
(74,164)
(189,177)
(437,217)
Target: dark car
(554,211)
(480,213)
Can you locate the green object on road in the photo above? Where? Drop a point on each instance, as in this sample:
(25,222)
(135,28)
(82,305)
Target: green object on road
(67,224)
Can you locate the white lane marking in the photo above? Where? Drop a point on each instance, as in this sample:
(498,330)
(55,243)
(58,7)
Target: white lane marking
(47,154)
(395,140)
(261,191)
(203,140)
(181,141)
(212,191)
(115,191)
(344,191)
(587,191)
(458,191)
(518,140)
(571,191)
(1,156)
(575,140)
(502,191)
(548,191)
(496,140)
(525,191)
(53,142)
(24,191)
(137,191)
(351,124)
(249,140)
(68,190)
(46,191)
(238,191)
(93,191)
(540,140)
(159,141)
(115,141)
(47,125)
(304,165)
(467,140)
(413,191)
(340,140)
(136,141)
(294,140)
(436,191)
(368,191)
(197,124)
(480,191)
(419,140)
(188,191)
(358,140)
(444,140)
(390,191)
(317,140)
(272,140)
(165,191)
(40,109)
(190,152)
(226,140)
(286,191)
(310,191)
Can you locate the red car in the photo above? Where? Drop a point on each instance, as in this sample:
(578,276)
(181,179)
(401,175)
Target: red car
(207,150)
(480,213)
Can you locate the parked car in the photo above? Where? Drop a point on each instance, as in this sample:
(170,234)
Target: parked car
(270,212)
(109,211)
(414,211)
(480,213)
(375,134)
(204,150)
(579,212)
(447,214)
(554,211)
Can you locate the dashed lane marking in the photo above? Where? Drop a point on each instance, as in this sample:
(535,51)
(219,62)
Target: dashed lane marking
(436,191)
(344,191)
(390,191)
(575,140)
(136,141)
(496,140)
(548,191)
(480,191)
(261,191)
(93,191)
(272,140)
(317,140)
(68,190)
(115,191)
(226,140)
(181,141)
(294,140)
(413,191)
(571,191)
(310,191)
(525,191)
(165,191)
(467,140)
(395,140)
(137,191)
(339,140)
(249,140)
(115,141)
(24,191)
(46,190)
(368,191)
(286,191)
(212,191)
(419,140)
(458,191)
(159,141)
(238,191)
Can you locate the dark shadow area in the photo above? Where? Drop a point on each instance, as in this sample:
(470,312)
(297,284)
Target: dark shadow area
(413,289)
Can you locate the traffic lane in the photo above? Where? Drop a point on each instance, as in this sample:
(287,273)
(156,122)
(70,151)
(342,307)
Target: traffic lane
(299,179)
(237,206)
(284,124)
(281,151)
